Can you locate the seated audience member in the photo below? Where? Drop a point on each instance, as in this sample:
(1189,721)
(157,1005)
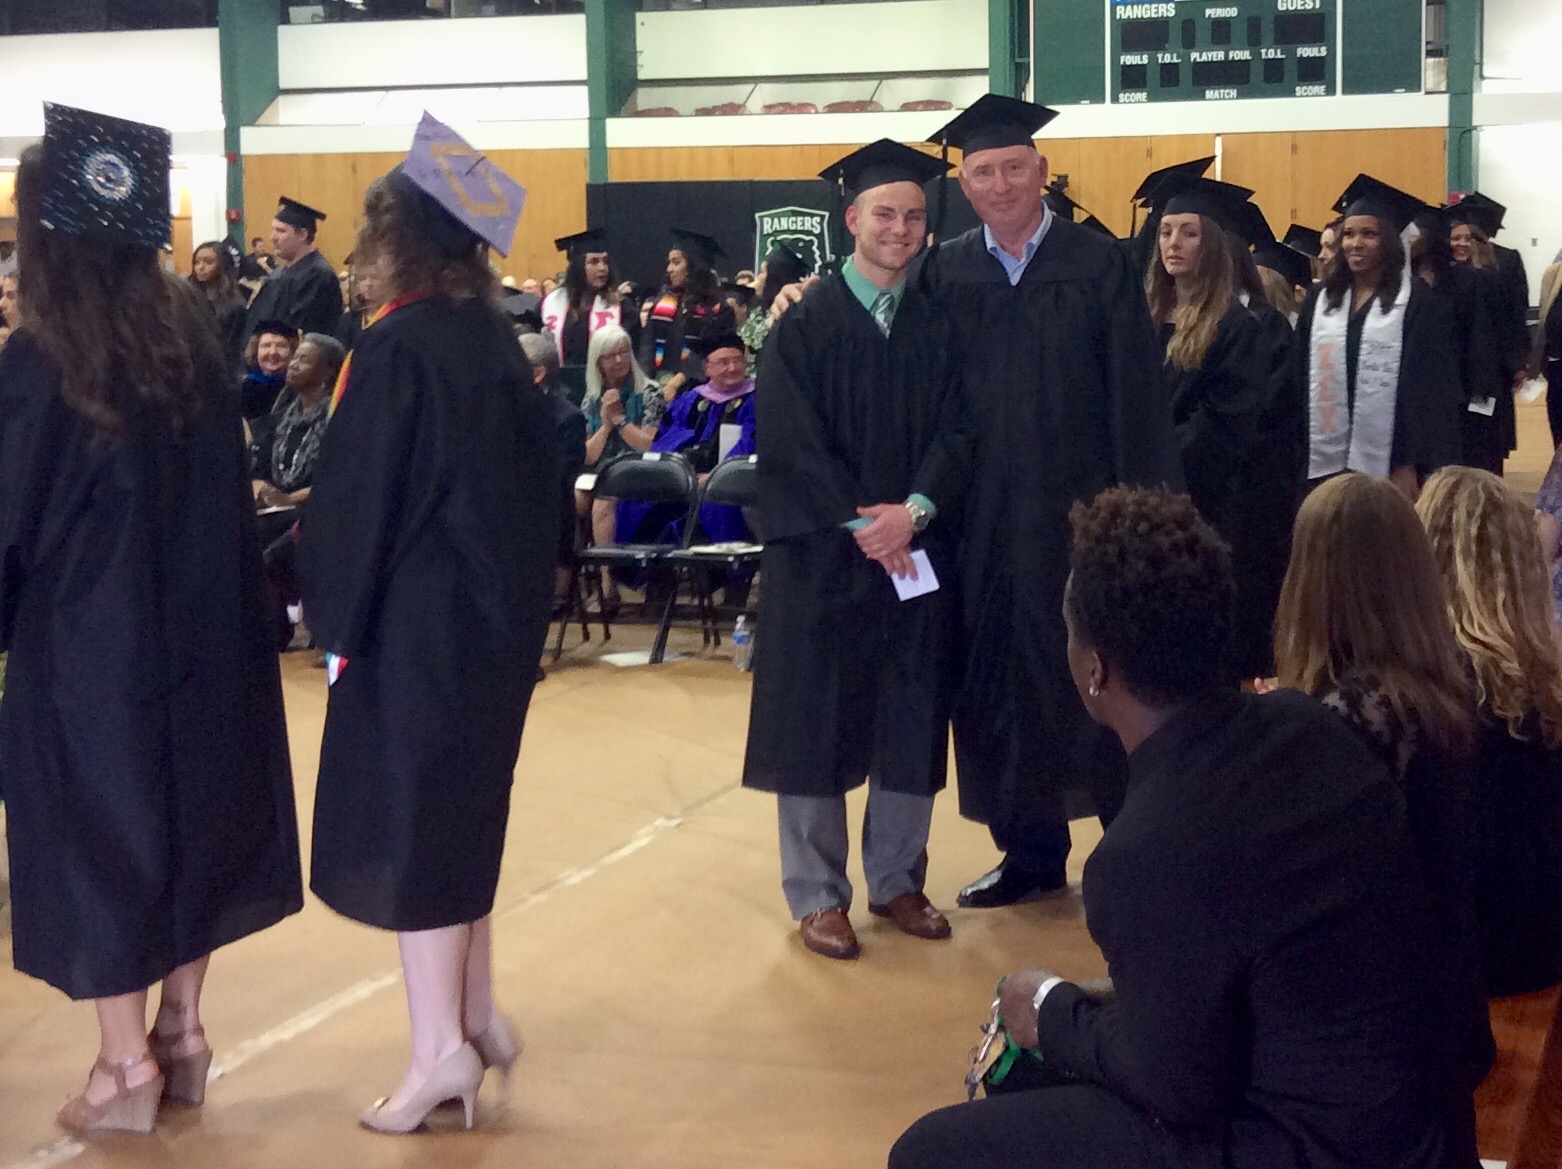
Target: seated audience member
(266,360)
(532,287)
(1258,901)
(285,463)
(622,408)
(1363,626)
(569,435)
(1498,592)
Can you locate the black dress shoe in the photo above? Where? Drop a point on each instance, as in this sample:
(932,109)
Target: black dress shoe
(1008,884)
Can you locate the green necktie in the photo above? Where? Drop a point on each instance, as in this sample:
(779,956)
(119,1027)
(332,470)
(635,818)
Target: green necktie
(883,311)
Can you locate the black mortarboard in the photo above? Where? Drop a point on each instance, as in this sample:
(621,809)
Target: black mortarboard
(993,121)
(1193,169)
(593,239)
(1369,196)
(299,215)
(1290,263)
(705,346)
(742,292)
(1058,199)
(1095,224)
(1485,212)
(106,178)
(1304,240)
(700,250)
(1226,203)
(882,162)
(784,262)
(281,328)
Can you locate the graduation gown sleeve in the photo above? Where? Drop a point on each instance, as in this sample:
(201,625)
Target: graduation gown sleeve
(24,444)
(1143,445)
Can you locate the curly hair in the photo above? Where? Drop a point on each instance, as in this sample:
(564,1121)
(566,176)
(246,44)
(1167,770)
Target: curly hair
(109,318)
(1362,598)
(1151,592)
(1195,322)
(1338,278)
(425,251)
(1499,596)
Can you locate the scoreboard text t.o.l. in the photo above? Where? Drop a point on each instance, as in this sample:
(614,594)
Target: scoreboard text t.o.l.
(1219,50)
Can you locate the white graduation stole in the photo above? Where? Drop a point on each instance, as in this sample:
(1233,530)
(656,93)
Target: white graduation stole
(1340,438)
(555,312)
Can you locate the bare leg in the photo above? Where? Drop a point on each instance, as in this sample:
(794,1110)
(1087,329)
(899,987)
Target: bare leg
(122,1039)
(178,1022)
(434,964)
(477,1004)
(604,531)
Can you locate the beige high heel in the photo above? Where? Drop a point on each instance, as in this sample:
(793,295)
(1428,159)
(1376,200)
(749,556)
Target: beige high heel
(127,1110)
(184,1075)
(457,1077)
(499,1045)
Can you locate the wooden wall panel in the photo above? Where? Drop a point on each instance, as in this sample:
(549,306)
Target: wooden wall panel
(1265,163)
(1326,161)
(555,182)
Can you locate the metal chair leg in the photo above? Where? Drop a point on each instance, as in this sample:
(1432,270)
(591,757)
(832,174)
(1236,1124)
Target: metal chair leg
(659,649)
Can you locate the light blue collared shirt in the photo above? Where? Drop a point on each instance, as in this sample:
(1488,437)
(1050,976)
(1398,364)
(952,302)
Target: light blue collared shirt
(1015,268)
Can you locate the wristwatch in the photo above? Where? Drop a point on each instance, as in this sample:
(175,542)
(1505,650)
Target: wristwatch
(919,515)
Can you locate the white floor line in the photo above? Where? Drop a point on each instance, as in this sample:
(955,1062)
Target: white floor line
(67,1149)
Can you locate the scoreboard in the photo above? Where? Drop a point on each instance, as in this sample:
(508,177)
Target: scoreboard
(1222,50)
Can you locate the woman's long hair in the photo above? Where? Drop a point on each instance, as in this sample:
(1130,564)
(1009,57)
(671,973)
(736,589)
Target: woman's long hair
(1437,253)
(1194,322)
(1337,277)
(1362,599)
(1498,592)
(222,289)
(425,251)
(700,286)
(1482,254)
(605,339)
(1279,292)
(108,317)
(582,297)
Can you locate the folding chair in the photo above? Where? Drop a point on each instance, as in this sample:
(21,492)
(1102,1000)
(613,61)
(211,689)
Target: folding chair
(639,477)
(734,482)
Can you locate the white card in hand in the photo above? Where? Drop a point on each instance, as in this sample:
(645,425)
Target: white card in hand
(729,436)
(926,581)
(1486,406)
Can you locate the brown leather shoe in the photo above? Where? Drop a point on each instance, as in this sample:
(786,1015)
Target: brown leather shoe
(915,915)
(829,932)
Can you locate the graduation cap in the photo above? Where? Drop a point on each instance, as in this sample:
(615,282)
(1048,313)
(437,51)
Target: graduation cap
(699,249)
(882,162)
(1295,266)
(993,121)
(1193,169)
(1369,196)
(742,292)
(1058,199)
(1095,224)
(299,215)
(593,239)
(782,261)
(474,192)
(106,179)
(1481,210)
(1226,203)
(524,308)
(280,328)
(705,346)
(1304,240)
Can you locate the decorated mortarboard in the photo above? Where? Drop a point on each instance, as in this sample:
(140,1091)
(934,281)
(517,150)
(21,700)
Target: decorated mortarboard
(1481,210)
(880,163)
(593,239)
(1369,196)
(475,193)
(1290,263)
(699,249)
(993,121)
(1194,168)
(705,346)
(299,215)
(1304,240)
(106,178)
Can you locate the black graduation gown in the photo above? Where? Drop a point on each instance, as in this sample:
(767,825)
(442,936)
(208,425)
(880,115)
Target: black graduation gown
(690,325)
(849,680)
(1474,302)
(305,294)
(1063,374)
(1218,409)
(148,791)
(1427,430)
(427,563)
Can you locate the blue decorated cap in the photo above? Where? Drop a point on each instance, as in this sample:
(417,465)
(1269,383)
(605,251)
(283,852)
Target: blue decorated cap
(476,193)
(107,178)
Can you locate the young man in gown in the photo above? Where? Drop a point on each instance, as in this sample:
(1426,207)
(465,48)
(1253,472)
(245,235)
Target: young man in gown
(864,451)
(304,293)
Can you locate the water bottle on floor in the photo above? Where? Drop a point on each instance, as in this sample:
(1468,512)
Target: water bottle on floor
(742,645)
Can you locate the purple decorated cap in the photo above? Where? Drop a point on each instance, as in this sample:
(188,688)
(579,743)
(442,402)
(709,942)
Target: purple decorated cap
(477,194)
(107,178)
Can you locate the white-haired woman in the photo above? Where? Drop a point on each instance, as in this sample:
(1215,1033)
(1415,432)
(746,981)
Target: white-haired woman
(623,409)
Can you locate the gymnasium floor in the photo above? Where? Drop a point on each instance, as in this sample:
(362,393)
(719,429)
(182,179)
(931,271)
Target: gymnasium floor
(672,1018)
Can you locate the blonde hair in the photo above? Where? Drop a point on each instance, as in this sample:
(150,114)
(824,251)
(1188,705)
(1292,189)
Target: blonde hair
(1195,322)
(1498,593)
(1550,285)
(1279,292)
(1362,599)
